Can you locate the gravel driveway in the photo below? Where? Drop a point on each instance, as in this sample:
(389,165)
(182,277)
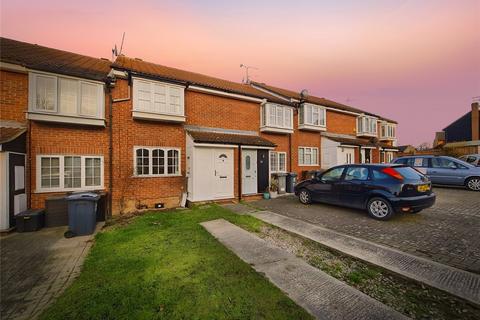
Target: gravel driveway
(448,233)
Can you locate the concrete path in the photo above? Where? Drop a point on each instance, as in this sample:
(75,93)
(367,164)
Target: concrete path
(320,294)
(36,267)
(454,281)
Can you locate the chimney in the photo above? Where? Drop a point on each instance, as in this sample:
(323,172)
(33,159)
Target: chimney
(475,121)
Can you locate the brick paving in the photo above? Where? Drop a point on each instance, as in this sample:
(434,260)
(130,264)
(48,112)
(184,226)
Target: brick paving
(447,233)
(36,267)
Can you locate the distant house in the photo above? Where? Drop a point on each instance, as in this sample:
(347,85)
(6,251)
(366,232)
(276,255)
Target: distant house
(407,149)
(463,134)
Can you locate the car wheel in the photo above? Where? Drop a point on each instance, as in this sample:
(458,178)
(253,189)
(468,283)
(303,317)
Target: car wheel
(305,197)
(473,184)
(380,209)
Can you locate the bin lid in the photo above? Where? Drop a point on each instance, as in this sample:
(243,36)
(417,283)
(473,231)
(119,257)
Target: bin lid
(31,213)
(292,174)
(89,196)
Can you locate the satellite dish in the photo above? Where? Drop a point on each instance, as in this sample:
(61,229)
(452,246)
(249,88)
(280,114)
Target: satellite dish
(304,93)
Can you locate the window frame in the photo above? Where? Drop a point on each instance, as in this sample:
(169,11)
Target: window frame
(311,149)
(388,130)
(167,86)
(369,122)
(61,187)
(150,162)
(266,115)
(302,117)
(277,153)
(32,88)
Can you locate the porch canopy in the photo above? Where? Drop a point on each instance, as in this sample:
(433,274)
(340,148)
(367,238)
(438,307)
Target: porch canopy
(12,136)
(230,138)
(352,141)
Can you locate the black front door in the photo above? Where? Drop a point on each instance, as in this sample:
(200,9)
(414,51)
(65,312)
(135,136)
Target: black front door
(262,170)
(16,186)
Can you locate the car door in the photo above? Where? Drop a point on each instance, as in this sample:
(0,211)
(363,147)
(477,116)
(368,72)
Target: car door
(444,171)
(354,186)
(325,189)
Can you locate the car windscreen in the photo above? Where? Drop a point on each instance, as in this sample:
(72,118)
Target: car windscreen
(409,173)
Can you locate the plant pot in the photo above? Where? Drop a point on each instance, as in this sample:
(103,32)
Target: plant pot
(273,194)
(266,195)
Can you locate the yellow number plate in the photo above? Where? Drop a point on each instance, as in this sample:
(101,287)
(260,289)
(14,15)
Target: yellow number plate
(423,188)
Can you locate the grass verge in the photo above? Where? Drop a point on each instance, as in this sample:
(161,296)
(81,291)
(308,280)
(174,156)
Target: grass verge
(166,266)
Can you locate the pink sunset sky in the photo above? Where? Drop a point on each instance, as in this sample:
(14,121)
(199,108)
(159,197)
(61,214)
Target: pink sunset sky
(414,61)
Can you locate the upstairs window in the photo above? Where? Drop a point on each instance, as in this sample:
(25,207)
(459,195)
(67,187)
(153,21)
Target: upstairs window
(312,115)
(158,97)
(156,161)
(387,130)
(366,125)
(277,116)
(65,96)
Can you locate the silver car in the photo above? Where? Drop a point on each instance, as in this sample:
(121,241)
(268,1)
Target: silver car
(445,170)
(472,159)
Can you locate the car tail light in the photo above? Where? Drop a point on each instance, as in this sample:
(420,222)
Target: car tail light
(392,173)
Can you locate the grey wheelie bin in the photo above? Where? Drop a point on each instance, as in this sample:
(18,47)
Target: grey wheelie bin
(82,213)
(291,181)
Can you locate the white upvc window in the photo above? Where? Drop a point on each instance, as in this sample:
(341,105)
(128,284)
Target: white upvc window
(277,118)
(366,125)
(387,130)
(64,99)
(307,156)
(158,100)
(69,173)
(156,161)
(312,117)
(278,162)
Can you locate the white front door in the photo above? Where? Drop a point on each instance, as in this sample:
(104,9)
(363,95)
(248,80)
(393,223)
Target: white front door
(345,155)
(249,171)
(223,173)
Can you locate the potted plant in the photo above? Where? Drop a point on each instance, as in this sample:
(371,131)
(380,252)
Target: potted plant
(266,193)
(274,189)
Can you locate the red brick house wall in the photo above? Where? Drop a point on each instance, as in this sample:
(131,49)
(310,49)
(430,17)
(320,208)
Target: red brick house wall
(13,96)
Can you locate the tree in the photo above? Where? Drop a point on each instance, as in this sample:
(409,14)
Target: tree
(423,146)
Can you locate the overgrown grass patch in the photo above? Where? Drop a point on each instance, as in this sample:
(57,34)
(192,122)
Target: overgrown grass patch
(166,266)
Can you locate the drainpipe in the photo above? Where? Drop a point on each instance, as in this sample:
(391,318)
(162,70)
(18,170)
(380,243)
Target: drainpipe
(239,172)
(110,152)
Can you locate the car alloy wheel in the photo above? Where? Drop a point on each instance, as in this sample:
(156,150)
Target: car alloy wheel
(304,197)
(474,184)
(379,208)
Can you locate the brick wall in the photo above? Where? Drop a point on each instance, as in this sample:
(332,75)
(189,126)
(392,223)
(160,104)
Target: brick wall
(13,95)
(341,123)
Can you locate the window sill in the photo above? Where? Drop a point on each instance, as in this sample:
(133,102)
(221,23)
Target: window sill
(157,116)
(276,130)
(387,138)
(309,165)
(98,188)
(48,117)
(366,134)
(311,127)
(157,176)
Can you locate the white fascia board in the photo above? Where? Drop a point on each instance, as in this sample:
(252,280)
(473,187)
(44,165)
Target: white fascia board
(214,145)
(270,92)
(66,119)
(224,94)
(13,67)
(258,147)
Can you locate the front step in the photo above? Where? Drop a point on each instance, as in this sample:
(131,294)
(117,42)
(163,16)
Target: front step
(457,282)
(317,292)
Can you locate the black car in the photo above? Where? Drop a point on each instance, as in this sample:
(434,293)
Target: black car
(381,189)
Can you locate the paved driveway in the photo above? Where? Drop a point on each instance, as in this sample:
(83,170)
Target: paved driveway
(449,232)
(35,269)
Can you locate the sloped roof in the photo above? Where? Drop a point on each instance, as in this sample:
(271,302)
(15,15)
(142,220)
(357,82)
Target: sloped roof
(42,58)
(229,138)
(157,70)
(316,100)
(10,130)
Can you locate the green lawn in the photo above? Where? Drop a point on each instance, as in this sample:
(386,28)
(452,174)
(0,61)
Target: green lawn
(166,266)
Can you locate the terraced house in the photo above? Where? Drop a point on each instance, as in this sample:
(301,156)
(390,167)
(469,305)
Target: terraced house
(149,135)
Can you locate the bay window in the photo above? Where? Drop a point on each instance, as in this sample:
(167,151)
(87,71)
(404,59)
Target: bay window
(307,156)
(278,162)
(366,126)
(276,118)
(312,117)
(154,100)
(65,99)
(69,173)
(387,131)
(156,161)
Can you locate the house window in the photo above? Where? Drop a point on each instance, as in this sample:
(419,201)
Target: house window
(277,116)
(366,125)
(278,162)
(307,156)
(312,115)
(156,162)
(65,96)
(69,173)
(387,131)
(158,97)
